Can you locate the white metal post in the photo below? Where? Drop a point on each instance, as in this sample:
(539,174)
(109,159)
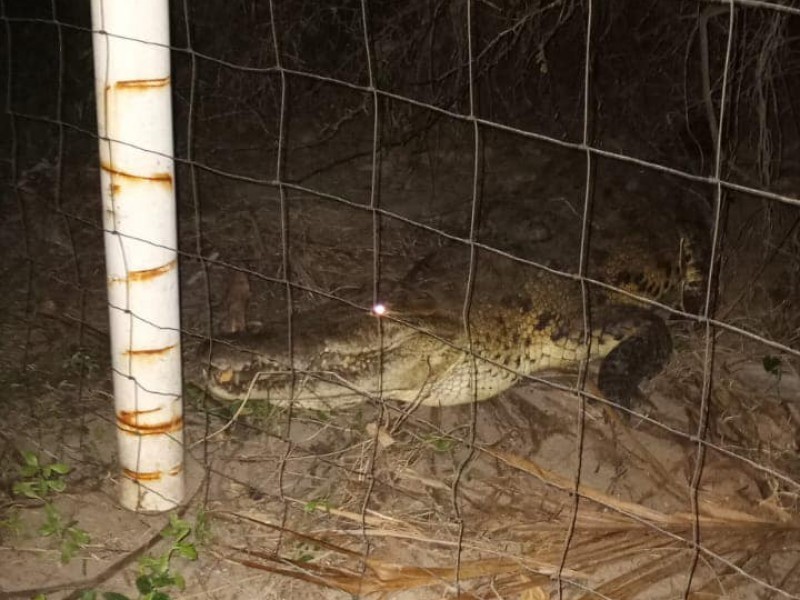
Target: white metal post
(134,122)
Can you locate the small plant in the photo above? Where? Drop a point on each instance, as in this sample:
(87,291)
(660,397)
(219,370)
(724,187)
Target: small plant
(202,528)
(155,574)
(71,539)
(440,443)
(305,552)
(11,523)
(40,480)
(81,362)
(318,504)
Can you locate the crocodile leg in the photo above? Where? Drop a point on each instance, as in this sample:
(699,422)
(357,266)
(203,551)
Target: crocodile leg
(643,351)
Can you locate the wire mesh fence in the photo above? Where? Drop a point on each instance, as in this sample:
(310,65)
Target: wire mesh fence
(480,300)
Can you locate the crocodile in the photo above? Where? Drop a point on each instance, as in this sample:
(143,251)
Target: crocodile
(463,325)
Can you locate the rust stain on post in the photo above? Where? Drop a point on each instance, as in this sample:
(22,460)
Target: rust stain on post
(128,422)
(163,177)
(146,275)
(141,475)
(128,414)
(139,84)
(150,352)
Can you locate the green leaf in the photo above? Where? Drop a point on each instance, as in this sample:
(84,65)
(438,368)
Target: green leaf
(67,552)
(79,536)
(88,595)
(147,563)
(318,504)
(143,584)
(160,596)
(180,582)
(57,485)
(187,551)
(202,528)
(177,529)
(154,564)
(440,443)
(60,468)
(30,458)
(159,580)
(114,596)
(28,471)
(25,488)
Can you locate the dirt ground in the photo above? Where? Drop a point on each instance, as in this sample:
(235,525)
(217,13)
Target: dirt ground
(478,501)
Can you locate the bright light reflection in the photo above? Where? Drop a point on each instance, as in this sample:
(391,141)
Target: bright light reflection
(379,310)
